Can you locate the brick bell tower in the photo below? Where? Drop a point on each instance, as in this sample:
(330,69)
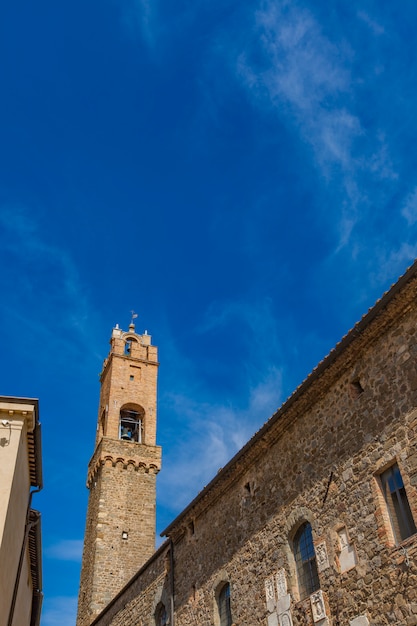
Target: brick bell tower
(120,528)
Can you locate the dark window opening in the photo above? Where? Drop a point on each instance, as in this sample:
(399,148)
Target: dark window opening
(356,388)
(305,561)
(102,421)
(402,521)
(130,426)
(161,616)
(128,345)
(225,613)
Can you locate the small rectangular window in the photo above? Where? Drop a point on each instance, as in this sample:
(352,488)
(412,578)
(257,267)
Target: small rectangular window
(402,521)
(135,371)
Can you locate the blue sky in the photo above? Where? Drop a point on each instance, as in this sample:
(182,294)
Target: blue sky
(243,175)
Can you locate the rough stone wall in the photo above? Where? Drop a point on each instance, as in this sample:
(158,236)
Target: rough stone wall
(139,600)
(87,582)
(318,462)
(122,501)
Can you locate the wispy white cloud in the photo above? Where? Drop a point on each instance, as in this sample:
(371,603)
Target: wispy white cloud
(392,262)
(291,66)
(65,550)
(44,290)
(376,28)
(409,210)
(209,429)
(257,316)
(139,16)
(209,434)
(303,74)
(380,162)
(59,611)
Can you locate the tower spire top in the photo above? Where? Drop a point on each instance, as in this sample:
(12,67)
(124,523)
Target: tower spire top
(132,323)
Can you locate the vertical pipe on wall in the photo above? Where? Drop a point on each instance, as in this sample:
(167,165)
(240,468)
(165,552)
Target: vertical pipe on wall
(171,562)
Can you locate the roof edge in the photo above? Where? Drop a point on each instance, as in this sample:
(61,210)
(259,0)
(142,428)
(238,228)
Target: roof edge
(316,373)
(33,439)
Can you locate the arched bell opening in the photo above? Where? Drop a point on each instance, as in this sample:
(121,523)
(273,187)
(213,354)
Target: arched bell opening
(131,427)
(129,341)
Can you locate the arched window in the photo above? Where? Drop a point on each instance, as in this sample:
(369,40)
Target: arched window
(305,561)
(161,615)
(399,511)
(130,425)
(223,603)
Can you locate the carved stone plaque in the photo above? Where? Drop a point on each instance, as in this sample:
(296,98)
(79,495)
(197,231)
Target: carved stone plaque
(317,606)
(281,583)
(283,604)
(270,594)
(273,619)
(347,556)
(361,620)
(285,619)
(321,556)
(343,539)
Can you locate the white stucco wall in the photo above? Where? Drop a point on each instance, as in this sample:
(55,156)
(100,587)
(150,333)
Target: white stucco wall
(14,497)
(23,608)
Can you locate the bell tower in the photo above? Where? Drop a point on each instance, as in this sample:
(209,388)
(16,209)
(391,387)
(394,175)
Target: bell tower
(120,528)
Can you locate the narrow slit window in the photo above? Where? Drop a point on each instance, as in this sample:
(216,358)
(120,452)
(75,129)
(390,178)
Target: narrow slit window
(102,422)
(161,616)
(356,389)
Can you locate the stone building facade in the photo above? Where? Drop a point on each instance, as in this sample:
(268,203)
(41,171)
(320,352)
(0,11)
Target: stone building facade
(120,527)
(314,521)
